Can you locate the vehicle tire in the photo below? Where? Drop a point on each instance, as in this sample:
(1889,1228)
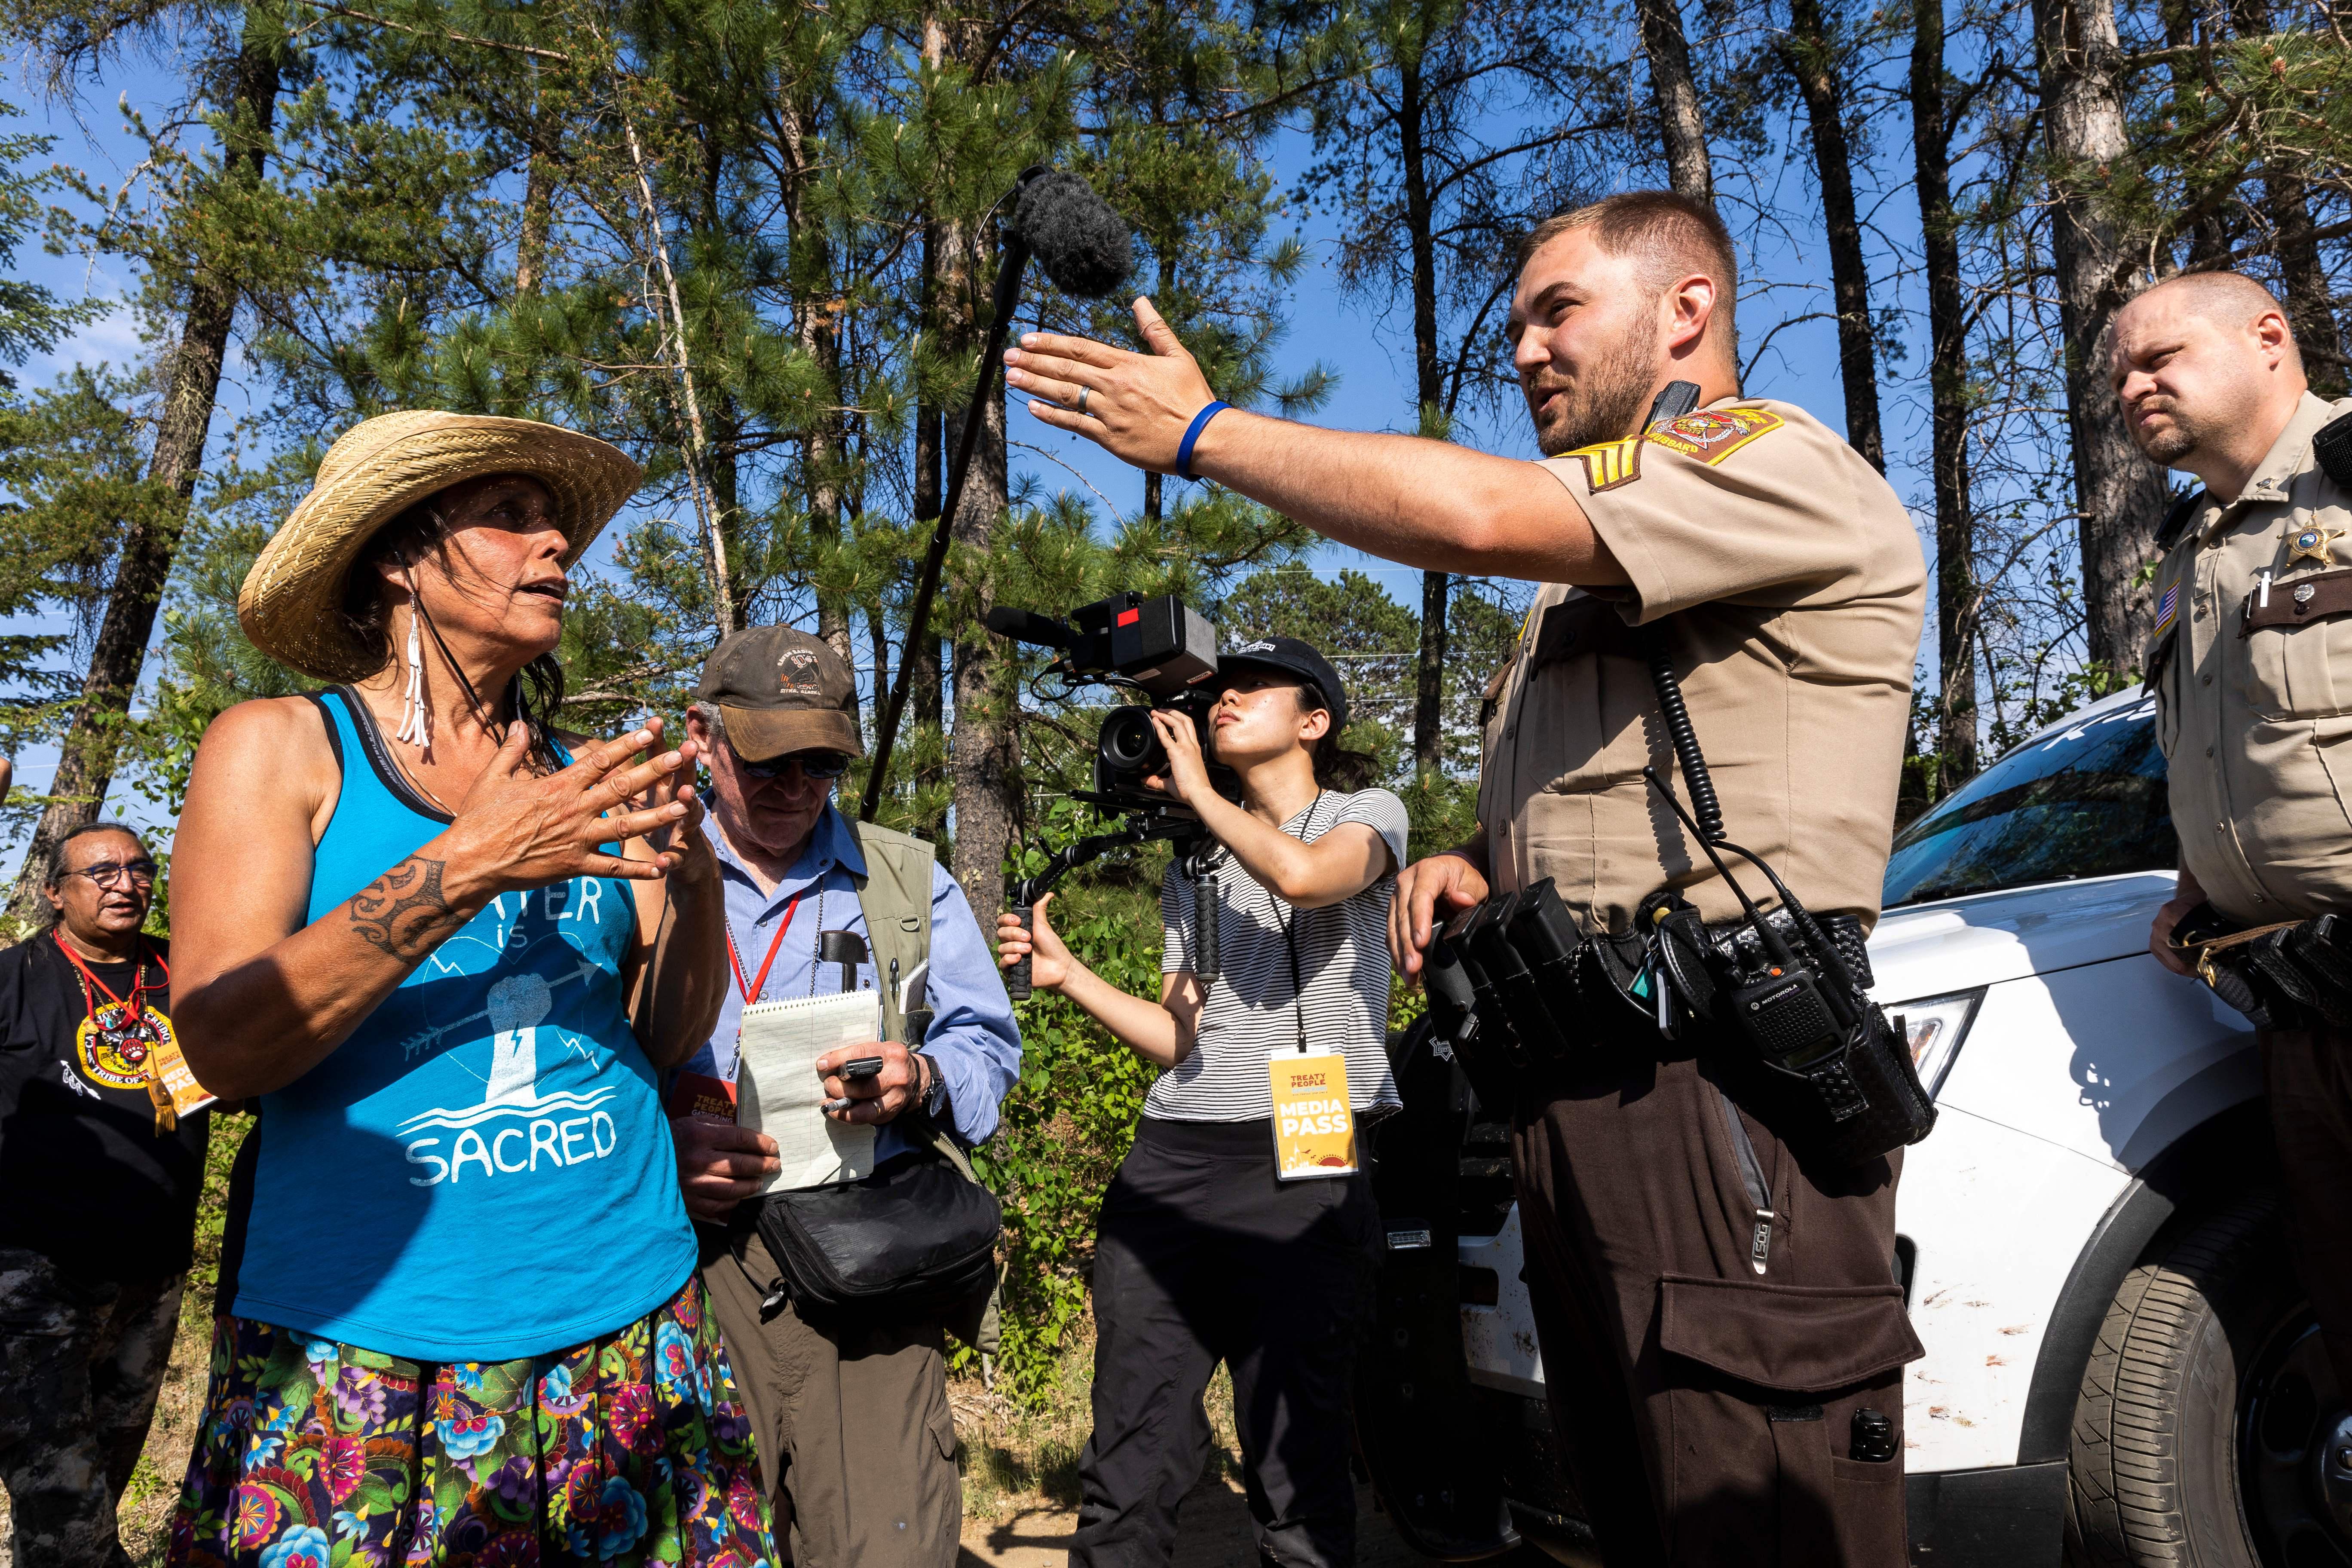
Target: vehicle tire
(2154,1475)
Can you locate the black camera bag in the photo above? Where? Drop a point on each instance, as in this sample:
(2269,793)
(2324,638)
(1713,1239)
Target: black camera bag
(915,1239)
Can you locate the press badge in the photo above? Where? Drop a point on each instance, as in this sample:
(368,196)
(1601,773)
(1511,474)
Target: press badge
(1314,1129)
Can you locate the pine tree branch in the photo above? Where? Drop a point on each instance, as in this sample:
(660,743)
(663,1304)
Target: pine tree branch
(347,12)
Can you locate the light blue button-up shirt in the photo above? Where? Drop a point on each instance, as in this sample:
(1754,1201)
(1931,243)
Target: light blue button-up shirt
(972,1037)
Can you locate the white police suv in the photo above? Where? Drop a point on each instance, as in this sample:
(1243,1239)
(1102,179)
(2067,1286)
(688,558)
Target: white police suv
(2121,1368)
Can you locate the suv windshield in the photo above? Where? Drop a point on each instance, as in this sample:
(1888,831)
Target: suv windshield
(2084,801)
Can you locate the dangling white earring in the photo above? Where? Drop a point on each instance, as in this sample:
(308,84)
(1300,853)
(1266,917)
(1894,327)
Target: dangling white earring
(415,722)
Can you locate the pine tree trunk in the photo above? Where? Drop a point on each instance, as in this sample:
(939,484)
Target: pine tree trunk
(538,211)
(1429,385)
(1948,376)
(2309,310)
(923,693)
(2286,202)
(2208,242)
(984,763)
(1681,124)
(1809,55)
(86,762)
(2118,494)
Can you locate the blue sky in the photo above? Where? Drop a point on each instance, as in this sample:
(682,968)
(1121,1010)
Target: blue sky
(1787,275)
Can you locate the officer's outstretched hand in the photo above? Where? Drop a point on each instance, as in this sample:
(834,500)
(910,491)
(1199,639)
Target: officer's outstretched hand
(1049,958)
(1135,405)
(1429,893)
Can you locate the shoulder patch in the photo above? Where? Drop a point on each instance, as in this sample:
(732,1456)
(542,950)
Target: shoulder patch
(1609,464)
(1714,433)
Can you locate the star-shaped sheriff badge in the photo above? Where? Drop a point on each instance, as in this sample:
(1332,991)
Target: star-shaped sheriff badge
(2311,543)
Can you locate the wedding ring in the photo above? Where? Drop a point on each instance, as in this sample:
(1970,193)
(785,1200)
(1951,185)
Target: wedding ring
(1082,400)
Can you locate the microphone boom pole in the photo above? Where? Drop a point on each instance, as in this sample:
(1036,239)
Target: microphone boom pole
(1012,264)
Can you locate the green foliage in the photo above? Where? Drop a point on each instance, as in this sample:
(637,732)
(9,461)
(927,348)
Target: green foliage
(1067,1124)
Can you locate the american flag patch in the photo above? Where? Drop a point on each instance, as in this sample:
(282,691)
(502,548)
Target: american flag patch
(2167,608)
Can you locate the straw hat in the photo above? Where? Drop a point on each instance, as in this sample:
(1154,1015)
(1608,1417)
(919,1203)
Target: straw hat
(292,602)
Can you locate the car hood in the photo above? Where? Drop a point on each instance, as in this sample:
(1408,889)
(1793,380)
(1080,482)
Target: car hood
(1957,945)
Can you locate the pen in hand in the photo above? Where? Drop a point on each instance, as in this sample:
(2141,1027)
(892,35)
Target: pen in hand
(855,1072)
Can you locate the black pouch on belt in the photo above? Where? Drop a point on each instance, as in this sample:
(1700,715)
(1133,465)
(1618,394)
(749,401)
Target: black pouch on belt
(1788,992)
(1514,989)
(2309,966)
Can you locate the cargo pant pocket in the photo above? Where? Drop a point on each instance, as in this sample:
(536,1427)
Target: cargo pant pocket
(1765,1382)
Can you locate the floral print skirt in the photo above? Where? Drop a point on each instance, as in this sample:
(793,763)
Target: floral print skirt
(630,1449)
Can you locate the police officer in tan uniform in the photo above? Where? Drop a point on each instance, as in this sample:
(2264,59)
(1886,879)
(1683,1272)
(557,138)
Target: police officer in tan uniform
(2251,668)
(1718,1320)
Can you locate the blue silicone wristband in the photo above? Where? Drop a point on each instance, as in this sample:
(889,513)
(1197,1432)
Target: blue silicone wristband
(1191,435)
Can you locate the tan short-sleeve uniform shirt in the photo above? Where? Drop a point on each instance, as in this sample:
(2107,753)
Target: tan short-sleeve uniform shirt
(2251,668)
(1788,581)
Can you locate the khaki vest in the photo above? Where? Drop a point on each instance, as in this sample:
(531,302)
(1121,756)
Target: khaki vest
(894,895)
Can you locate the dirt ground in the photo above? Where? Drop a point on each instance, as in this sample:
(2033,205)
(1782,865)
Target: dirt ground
(1213,1526)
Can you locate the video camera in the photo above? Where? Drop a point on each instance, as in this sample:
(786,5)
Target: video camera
(1159,647)
(1163,649)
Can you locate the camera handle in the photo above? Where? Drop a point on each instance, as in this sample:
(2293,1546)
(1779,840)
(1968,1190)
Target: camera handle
(1026,892)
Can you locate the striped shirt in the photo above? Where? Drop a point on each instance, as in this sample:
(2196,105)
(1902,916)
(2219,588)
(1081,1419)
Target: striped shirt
(1252,1007)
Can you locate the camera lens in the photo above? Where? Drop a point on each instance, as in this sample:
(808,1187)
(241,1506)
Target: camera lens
(1128,744)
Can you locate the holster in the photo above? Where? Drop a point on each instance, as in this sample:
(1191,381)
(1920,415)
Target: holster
(1845,1092)
(1519,989)
(2288,976)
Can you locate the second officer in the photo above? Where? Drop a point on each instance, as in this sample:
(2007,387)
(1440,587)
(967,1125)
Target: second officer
(2252,669)
(1722,1336)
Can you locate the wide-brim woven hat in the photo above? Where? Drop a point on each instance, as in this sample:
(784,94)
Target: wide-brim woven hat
(292,602)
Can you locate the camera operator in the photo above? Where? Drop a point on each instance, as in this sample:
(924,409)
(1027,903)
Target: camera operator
(1202,1255)
(1722,1339)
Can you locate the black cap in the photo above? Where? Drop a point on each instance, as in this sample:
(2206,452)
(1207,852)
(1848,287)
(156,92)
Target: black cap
(1292,656)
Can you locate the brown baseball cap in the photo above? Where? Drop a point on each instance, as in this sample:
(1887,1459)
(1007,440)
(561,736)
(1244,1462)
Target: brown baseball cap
(780,691)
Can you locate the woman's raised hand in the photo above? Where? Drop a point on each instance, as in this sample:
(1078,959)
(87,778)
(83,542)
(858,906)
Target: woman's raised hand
(517,829)
(1187,777)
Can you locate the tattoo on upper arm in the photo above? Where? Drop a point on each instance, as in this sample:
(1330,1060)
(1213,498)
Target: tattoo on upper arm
(404,911)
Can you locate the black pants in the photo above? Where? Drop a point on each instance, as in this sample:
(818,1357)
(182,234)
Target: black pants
(2308,1073)
(1202,1257)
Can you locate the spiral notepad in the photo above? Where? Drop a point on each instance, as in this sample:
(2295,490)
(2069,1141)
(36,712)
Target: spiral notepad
(778,1091)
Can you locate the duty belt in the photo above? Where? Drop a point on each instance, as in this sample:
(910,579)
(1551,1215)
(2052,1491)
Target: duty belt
(2288,974)
(1522,995)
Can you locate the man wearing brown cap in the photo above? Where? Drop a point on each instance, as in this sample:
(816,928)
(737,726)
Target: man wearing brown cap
(852,1420)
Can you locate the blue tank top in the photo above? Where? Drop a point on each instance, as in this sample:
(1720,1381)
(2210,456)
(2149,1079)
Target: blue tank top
(482,1171)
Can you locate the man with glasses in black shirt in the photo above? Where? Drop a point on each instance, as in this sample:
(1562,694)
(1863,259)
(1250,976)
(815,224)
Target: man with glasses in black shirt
(99,1182)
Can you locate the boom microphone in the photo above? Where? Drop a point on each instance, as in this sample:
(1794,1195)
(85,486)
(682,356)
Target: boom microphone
(1084,249)
(1076,237)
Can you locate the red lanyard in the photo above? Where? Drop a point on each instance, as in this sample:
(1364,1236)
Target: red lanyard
(138,978)
(751,992)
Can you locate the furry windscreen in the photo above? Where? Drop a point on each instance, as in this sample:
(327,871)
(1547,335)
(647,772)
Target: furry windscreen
(1076,237)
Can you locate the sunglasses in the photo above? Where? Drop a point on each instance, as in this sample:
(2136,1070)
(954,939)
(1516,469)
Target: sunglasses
(106,874)
(822,767)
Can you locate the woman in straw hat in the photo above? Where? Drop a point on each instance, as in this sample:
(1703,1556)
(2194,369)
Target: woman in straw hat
(448,950)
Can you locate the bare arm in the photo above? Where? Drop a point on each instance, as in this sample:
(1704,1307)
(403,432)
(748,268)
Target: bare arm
(261,996)
(1331,870)
(1164,1032)
(1425,503)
